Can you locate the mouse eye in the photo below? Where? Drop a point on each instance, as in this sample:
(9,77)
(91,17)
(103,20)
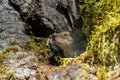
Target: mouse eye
(65,34)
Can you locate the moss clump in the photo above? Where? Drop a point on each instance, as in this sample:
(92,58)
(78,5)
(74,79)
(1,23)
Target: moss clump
(101,25)
(3,70)
(102,73)
(40,49)
(93,12)
(66,61)
(4,53)
(104,41)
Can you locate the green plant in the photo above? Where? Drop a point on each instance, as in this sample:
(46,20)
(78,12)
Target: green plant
(3,69)
(101,74)
(39,48)
(104,41)
(102,28)
(101,25)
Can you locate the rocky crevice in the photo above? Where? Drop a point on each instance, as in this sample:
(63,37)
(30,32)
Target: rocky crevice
(20,19)
(47,16)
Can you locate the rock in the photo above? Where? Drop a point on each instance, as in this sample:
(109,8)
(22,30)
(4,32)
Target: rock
(48,16)
(22,64)
(72,72)
(2,28)
(10,25)
(33,78)
(20,55)
(20,74)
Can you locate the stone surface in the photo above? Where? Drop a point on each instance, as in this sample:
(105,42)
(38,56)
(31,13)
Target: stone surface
(51,15)
(11,28)
(72,72)
(22,64)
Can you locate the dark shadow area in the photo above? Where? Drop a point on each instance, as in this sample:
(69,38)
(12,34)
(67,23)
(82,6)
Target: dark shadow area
(65,12)
(55,60)
(34,26)
(14,6)
(37,28)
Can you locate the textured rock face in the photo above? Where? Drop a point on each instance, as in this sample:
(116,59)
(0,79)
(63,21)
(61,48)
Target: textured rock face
(11,28)
(74,72)
(21,63)
(48,16)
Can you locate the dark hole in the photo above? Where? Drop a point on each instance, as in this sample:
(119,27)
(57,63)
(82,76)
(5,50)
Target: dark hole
(37,28)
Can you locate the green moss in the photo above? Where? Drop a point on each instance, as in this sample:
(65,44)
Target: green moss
(3,56)
(104,41)
(101,25)
(13,42)
(101,74)
(40,49)
(4,73)
(4,53)
(93,12)
(101,21)
(66,61)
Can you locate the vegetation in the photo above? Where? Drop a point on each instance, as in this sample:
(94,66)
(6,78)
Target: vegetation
(101,25)
(102,22)
(40,49)
(3,57)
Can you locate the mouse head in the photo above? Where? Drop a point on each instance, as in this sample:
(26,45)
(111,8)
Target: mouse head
(63,39)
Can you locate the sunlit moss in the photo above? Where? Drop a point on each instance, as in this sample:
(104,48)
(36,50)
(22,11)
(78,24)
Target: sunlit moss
(66,61)
(101,73)
(4,53)
(104,41)
(4,74)
(94,11)
(101,25)
(101,21)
